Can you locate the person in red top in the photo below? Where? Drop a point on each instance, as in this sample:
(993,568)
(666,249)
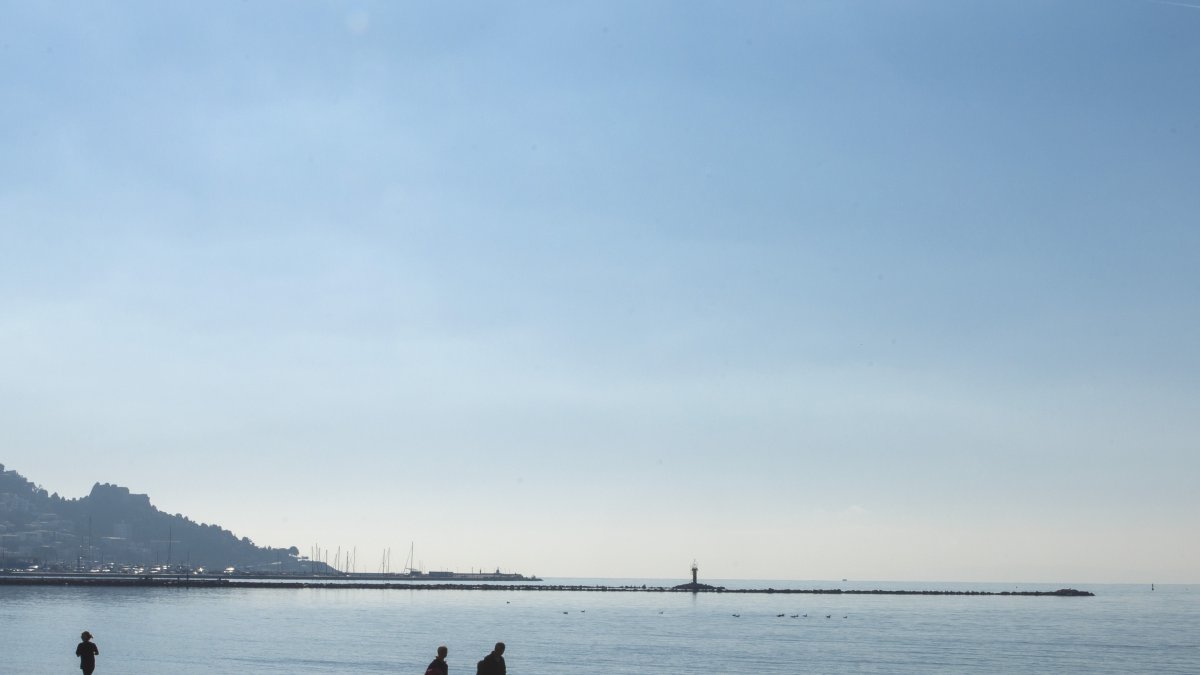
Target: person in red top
(87,651)
(439,666)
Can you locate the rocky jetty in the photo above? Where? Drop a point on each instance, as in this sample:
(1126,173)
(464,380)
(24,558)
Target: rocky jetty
(282,583)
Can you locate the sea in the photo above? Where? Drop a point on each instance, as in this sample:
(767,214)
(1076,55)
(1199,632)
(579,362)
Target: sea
(155,631)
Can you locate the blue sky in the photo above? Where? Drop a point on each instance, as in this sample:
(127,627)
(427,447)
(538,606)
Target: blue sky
(892,290)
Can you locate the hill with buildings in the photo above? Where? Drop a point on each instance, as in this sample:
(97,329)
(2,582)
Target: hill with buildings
(117,530)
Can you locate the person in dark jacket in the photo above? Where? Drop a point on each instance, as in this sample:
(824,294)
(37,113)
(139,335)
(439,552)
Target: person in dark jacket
(439,666)
(87,651)
(493,664)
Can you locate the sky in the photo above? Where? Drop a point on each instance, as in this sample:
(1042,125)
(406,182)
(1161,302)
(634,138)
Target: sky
(798,290)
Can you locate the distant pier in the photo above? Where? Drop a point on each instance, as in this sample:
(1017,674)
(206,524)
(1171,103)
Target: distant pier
(324,582)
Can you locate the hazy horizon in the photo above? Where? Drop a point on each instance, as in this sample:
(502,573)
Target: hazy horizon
(799,290)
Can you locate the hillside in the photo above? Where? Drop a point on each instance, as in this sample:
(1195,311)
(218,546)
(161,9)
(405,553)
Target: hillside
(112,527)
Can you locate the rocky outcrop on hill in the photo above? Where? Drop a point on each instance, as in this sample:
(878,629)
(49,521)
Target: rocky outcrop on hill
(112,527)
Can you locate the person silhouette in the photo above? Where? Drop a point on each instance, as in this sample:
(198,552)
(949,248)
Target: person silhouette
(439,666)
(493,664)
(87,651)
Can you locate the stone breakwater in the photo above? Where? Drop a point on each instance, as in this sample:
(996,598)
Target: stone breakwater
(194,582)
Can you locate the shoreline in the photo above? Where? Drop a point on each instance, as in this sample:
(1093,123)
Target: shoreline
(201,583)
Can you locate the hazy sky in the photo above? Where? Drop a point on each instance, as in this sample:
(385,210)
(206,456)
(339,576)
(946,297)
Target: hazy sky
(812,290)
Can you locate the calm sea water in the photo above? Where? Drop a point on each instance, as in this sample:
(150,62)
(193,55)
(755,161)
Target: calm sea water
(1124,629)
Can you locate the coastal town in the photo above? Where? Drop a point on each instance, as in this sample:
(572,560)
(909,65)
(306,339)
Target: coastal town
(115,532)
